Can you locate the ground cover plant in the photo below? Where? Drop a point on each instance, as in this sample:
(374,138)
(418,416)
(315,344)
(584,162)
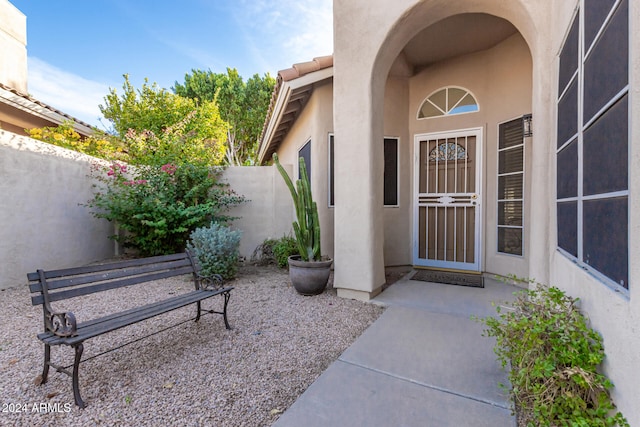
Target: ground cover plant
(554,356)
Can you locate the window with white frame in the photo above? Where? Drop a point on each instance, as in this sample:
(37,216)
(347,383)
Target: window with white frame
(511,187)
(448,101)
(391,172)
(593,141)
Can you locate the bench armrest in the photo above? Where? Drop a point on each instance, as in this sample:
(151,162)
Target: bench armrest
(209,283)
(61,324)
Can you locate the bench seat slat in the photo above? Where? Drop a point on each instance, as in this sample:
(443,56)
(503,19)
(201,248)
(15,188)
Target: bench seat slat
(86,290)
(116,321)
(72,279)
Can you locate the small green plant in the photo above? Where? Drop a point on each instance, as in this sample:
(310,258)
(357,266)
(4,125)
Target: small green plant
(217,249)
(283,248)
(554,356)
(307,225)
(158,207)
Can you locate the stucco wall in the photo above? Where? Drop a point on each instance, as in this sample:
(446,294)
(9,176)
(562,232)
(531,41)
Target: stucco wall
(268,211)
(43,224)
(397,219)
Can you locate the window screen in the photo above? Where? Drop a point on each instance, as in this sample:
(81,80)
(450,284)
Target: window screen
(331,172)
(593,141)
(390,172)
(305,153)
(510,187)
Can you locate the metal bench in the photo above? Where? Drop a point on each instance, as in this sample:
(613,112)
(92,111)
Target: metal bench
(62,328)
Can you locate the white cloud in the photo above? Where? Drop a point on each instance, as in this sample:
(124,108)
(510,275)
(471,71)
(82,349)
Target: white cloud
(65,91)
(283,32)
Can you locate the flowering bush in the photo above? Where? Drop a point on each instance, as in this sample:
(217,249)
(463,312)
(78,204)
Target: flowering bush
(158,207)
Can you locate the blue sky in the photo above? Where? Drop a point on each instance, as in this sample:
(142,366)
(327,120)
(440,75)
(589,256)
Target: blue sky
(78,49)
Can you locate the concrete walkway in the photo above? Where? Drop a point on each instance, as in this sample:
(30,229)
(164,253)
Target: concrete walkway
(424,362)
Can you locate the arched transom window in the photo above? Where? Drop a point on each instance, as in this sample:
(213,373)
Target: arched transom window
(448,101)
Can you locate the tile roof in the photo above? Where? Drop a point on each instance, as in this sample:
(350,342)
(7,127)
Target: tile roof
(28,103)
(278,123)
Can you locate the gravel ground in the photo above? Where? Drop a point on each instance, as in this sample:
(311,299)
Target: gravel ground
(196,374)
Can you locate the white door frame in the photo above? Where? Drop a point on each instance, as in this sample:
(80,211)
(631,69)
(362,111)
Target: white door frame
(479,225)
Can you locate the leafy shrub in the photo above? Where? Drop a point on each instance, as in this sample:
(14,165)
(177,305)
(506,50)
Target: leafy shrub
(283,248)
(554,356)
(99,144)
(216,249)
(158,207)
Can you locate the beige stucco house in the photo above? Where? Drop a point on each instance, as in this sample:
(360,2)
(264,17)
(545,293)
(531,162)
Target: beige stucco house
(488,136)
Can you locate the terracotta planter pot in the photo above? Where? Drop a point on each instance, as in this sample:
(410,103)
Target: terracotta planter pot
(309,277)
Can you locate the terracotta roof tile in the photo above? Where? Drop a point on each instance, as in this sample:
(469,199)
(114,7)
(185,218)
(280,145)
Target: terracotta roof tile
(303,68)
(292,73)
(42,104)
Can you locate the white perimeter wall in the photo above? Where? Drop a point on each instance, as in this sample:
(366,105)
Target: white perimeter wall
(42,224)
(268,211)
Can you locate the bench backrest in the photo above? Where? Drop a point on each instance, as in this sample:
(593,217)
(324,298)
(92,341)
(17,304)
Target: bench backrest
(73,282)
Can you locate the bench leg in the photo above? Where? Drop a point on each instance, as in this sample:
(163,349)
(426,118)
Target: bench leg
(47,359)
(199,308)
(76,388)
(227,295)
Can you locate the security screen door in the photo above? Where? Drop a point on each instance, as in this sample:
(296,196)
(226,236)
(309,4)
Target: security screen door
(447,200)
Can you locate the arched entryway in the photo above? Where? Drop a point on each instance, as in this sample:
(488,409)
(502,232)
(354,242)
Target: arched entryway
(429,48)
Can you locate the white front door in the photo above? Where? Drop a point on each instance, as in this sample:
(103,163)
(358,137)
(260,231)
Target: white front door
(447,199)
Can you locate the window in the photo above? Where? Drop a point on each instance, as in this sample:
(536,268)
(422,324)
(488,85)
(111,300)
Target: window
(331,172)
(510,187)
(593,139)
(305,153)
(391,172)
(448,101)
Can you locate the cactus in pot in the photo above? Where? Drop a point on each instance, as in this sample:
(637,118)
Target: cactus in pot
(307,226)
(309,272)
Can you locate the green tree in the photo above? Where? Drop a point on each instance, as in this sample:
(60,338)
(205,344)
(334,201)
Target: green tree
(158,126)
(243,105)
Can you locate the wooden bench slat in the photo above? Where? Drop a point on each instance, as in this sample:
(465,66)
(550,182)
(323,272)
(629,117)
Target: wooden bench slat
(129,317)
(87,290)
(108,266)
(92,322)
(104,275)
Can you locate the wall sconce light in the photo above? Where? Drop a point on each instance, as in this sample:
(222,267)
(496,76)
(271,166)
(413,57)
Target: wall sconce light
(527,128)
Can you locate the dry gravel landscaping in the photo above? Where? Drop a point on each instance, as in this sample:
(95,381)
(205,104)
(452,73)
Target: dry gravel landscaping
(196,374)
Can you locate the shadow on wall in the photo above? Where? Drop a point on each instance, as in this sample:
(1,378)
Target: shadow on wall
(43,222)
